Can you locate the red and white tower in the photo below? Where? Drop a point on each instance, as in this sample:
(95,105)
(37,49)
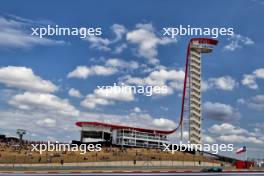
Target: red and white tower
(191,100)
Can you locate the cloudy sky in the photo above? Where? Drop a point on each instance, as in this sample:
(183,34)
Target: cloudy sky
(48,84)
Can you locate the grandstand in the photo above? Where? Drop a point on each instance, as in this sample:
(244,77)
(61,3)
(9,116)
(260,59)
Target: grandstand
(120,135)
(10,152)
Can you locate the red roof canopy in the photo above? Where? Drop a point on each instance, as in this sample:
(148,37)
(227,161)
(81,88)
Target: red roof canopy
(80,124)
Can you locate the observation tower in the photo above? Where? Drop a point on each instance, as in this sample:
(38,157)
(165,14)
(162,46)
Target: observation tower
(191,99)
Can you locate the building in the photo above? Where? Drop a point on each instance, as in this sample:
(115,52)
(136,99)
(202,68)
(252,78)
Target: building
(121,135)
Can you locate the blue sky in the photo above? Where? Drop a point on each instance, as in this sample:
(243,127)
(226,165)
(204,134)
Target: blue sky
(34,73)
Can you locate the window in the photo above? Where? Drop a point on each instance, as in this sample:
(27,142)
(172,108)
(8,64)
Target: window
(93,134)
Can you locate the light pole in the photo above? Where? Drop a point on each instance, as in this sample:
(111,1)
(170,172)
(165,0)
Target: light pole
(20,133)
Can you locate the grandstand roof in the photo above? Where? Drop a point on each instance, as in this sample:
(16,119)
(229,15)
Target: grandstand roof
(113,126)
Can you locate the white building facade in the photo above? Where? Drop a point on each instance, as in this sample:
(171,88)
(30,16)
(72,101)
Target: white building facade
(122,135)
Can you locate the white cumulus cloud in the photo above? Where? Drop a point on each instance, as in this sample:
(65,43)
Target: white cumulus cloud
(172,79)
(249,80)
(240,139)
(84,71)
(118,63)
(238,41)
(47,122)
(220,112)
(43,102)
(146,39)
(24,78)
(107,96)
(223,83)
(256,103)
(162,122)
(14,35)
(104,44)
(75,93)
(227,128)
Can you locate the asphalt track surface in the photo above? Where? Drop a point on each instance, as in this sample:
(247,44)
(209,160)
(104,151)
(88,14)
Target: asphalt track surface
(125,172)
(113,170)
(134,173)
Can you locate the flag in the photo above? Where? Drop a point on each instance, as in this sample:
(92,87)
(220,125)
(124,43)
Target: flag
(241,150)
